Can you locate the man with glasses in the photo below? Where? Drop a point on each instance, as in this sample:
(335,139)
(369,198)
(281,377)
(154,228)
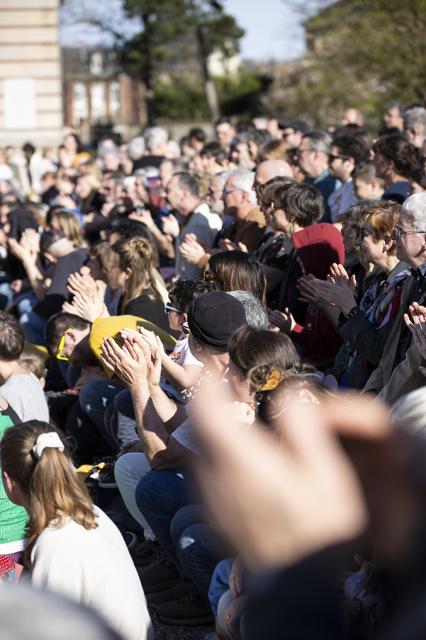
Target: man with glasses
(240,202)
(347,151)
(313,156)
(399,367)
(293,132)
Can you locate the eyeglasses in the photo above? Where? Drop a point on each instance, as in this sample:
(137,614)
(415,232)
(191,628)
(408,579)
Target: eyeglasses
(59,351)
(169,309)
(400,233)
(226,192)
(332,157)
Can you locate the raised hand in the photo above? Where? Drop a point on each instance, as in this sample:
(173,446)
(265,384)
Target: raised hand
(416,322)
(129,364)
(88,306)
(170,226)
(84,284)
(191,250)
(30,240)
(282,319)
(276,504)
(151,346)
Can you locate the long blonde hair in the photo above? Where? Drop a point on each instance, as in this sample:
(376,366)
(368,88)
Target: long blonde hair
(50,483)
(70,225)
(137,255)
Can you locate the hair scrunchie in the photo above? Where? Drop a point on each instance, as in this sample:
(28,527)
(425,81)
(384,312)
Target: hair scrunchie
(47,440)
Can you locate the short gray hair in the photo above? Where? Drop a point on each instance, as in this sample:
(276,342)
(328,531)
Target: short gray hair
(155,137)
(409,413)
(244,180)
(415,118)
(256,315)
(136,148)
(319,141)
(415,207)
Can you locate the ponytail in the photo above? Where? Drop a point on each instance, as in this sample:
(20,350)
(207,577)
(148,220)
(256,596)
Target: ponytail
(44,472)
(137,254)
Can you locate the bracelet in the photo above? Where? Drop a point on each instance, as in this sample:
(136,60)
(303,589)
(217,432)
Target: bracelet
(351,313)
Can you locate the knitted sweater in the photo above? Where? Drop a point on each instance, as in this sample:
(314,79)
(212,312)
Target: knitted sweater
(13,519)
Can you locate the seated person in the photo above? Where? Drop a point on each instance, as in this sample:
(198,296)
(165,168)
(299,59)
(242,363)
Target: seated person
(19,387)
(13,518)
(50,287)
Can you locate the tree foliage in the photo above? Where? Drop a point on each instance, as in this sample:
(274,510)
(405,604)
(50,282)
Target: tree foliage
(203,25)
(363,54)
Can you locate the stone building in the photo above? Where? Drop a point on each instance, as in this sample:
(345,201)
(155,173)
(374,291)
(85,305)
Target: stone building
(31,105)
(97,92)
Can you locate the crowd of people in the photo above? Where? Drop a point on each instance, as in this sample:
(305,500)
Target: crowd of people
(212,379)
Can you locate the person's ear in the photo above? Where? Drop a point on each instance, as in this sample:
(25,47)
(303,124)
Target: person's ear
(387,244)
(128,272)
(8,484)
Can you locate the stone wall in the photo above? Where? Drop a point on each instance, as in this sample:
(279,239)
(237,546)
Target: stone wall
(31,105)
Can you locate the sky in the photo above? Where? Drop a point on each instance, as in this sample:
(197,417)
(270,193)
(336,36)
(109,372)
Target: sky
(272,27)
(273,30)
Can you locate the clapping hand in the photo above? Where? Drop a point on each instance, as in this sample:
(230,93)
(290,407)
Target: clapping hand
(191,250)
(127,362)
(282,319)
(89,306)
(170,226)
(276,504)
(84,284)
(416,322)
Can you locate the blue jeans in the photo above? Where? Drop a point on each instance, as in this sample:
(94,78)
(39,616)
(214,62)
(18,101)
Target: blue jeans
(94,398)
(219,583)
(159,496)
(122,420)
(198,547)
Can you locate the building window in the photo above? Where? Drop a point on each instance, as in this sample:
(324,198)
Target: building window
(114,100)
(80,109)
(97,94)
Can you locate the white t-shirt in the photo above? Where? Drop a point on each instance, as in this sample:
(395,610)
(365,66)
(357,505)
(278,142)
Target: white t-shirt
(25,395)
(94,567)
(181,355)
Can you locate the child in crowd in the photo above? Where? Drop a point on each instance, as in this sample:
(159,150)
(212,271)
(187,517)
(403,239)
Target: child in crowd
(19,386)
(367,185)
(72,546)
(35,364)
(181,369)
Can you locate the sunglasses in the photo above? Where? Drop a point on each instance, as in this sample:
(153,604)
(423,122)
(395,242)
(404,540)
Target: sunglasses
(59,355)
(169,309)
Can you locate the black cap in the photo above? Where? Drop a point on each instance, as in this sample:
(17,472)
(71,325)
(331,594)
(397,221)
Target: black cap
(213,318)
(297,125)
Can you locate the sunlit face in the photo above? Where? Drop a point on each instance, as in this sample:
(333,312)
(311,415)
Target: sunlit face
(233,196)
(174,193)
(410,244)
(293,138)
(83,188)
(363,190)
(374,249)
(116,278)
(225,133)
(307,158)
(393,119)
(215,195)
(339,166)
